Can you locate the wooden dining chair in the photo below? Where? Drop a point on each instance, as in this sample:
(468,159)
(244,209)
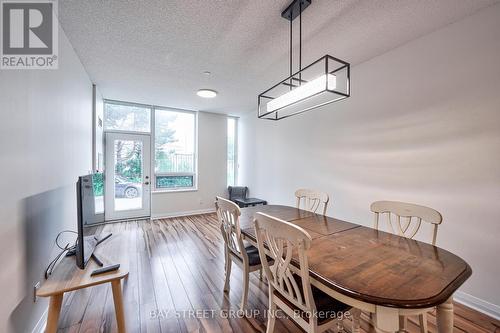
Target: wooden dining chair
(245,256)
(311,200)
(408,220)
(289,285)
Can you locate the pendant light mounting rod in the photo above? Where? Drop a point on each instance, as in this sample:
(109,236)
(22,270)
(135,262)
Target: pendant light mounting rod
(295,9)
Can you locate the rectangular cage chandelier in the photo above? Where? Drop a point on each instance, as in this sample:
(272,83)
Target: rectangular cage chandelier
(325,81)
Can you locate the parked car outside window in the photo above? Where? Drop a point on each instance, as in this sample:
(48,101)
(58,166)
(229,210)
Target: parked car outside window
(127,189)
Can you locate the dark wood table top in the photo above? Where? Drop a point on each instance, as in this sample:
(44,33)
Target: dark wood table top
(370,265)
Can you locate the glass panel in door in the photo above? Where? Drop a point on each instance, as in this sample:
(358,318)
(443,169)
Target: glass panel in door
(127,176)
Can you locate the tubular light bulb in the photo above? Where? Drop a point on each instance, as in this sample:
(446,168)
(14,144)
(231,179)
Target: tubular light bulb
(325,81)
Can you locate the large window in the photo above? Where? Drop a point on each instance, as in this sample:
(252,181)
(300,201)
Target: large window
(127,117)
(174,140)
(231,151)
(175,165)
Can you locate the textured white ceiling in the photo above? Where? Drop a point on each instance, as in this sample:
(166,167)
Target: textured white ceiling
(155,51)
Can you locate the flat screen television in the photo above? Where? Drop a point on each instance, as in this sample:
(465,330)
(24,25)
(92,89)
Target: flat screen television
(84,244)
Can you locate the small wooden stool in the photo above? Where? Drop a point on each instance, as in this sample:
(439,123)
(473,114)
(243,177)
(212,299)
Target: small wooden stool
(68,277)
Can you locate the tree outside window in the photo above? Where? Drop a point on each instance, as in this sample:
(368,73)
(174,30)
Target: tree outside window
(174,149)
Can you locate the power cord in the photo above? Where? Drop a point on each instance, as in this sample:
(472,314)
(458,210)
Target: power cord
(61,233)
(67,247)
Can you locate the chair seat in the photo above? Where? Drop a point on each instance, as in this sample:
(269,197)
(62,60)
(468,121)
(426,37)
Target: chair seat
(328,307)
(253,255)
(245,202)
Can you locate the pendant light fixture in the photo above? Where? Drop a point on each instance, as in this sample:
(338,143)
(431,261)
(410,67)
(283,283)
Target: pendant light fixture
(325,81)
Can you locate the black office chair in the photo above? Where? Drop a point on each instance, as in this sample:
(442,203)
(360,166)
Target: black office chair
(238,195)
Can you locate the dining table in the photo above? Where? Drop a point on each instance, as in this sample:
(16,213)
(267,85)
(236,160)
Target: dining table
(381,273)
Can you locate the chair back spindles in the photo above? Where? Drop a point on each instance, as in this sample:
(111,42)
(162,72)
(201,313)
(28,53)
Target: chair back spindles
(281,239)
(228,214)
(312,200)
(409,218)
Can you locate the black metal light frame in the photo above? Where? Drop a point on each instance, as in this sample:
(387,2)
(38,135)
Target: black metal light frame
(263,98)
(295,80)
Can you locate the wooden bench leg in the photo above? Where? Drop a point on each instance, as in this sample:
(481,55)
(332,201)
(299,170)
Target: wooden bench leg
(54,311)
(116,286)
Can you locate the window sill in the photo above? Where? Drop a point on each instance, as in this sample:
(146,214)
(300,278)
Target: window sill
(175,191)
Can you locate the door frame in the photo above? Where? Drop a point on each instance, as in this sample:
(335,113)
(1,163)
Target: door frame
(109,189)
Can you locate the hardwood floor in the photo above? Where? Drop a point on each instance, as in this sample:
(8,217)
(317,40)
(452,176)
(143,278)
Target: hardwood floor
(176,281)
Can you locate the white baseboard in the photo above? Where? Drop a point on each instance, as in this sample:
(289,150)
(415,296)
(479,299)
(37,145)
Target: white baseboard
(42,322)
(186,213)
(477,304)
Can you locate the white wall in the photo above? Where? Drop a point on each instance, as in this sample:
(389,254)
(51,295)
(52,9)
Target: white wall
(212,155)
(422,125)
(45,143)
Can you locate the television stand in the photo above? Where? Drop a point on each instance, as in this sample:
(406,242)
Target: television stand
(97,260)
(67,277)
(89,245)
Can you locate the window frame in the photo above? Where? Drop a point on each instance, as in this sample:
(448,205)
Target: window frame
(152,134)
(155,189)
(235,150)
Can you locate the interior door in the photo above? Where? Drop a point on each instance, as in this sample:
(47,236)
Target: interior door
(127,192)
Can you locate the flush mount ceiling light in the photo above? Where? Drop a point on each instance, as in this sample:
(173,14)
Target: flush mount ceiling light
(206,93)
(323,82)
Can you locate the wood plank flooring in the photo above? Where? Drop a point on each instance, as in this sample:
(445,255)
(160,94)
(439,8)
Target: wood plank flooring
(176,281)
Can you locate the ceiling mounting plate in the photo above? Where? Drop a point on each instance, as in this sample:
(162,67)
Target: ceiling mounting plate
(293,10)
